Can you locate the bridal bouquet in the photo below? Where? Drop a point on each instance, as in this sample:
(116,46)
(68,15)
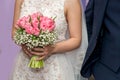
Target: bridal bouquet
(35,30)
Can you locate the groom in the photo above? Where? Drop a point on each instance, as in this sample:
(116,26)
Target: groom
(102,58)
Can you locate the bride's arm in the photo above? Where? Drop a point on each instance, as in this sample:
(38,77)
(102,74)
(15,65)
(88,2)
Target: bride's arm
(73,16)
(16,14)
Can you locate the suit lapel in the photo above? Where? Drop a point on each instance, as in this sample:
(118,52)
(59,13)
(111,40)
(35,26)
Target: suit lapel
(99,10)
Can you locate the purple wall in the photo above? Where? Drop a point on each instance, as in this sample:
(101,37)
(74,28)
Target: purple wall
(8,49)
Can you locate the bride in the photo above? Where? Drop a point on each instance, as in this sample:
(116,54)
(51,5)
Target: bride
(65,59)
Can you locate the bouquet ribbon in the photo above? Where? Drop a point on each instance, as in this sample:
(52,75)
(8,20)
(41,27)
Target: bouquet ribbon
(36,63)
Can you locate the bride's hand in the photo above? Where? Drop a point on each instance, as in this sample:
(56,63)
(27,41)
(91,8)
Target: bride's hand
(42,52)
(26,51)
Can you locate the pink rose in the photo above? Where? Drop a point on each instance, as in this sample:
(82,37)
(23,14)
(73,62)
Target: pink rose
(35,23)
(32,30)
(47,24)
(27,25)
(29,30)
(27,19)
(36,31)
(22,21)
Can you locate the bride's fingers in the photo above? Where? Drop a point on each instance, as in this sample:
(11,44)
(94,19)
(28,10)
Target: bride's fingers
(38,49)
(46,55)
(41,58)
(26,52)
(37,53)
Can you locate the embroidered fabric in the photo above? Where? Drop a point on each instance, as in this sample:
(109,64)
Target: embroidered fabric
(65,66)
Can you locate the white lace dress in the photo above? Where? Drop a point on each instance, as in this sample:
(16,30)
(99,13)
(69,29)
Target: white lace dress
(65,66)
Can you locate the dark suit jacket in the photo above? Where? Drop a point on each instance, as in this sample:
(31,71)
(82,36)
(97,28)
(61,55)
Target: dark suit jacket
(94,18)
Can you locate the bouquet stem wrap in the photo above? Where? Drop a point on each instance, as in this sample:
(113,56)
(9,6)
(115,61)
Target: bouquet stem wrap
(36,63)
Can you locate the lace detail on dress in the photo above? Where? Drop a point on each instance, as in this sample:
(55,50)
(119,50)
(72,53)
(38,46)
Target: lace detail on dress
(52,69)
(57,66)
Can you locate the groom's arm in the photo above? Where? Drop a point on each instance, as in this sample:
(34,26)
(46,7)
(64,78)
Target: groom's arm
(89,13)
